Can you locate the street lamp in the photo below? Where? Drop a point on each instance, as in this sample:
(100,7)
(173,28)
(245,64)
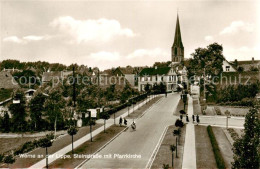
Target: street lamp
(176,133)
(90,126)
(172,148)
(227,113)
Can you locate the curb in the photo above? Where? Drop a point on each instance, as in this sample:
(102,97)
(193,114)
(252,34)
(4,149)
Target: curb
(83,162)
(157,147)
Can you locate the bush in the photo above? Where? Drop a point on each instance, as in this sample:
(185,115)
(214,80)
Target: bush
(217,110)
(179,123)
(233,134)
(1,158)
(218,156)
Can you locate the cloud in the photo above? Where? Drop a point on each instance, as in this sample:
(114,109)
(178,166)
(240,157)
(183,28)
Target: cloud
(209,38)
(91,30)
(139,57)
(237,26)
(147,53)
(25,39)
(14,39)
(105,56)
(36,38)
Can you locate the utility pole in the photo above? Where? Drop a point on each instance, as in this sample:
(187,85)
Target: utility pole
(204,86)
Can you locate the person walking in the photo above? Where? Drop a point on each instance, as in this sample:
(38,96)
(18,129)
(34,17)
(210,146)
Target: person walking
(120,121)
(198,119)
(125,122)
(187,118)
(193,118)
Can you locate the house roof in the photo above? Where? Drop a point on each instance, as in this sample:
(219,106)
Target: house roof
(47,76)
(248,62)
(7,81)
(155,71)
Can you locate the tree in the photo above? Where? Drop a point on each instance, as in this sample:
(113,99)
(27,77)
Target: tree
(45,143)
(211,58)
(179,123)
(147,88)
(166,166)
(36,106)
(240,69)
(9,159)
(246,148)
(72,131)
(105,116)
(54,105)
(18,112)
(172,148)
(6,123)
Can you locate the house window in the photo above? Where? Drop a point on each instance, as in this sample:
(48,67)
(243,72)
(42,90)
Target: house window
(156,78)
(162,78)
(227,68)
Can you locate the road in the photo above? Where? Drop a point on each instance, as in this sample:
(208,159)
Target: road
(233,122)
(140,142)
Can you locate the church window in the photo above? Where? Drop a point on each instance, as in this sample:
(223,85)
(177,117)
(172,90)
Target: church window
(175,51)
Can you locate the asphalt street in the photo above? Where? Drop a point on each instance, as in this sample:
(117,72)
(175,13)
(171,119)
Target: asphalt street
(133,149)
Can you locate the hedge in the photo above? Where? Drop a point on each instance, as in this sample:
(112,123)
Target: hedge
(218,156)
(122,106)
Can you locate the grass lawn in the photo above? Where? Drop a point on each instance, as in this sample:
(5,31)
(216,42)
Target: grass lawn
(164,155)
(7,144)
(57,145)
(5,94)
(138,111)
(224,146)
(204,153)
(87,148)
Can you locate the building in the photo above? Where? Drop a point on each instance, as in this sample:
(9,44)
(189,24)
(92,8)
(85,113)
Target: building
(152,76)
(7,81)
(249,65)
(228,67)
(177,47)
(55,75)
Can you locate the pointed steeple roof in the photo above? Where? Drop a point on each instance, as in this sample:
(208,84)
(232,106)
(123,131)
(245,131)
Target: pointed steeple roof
(177,37)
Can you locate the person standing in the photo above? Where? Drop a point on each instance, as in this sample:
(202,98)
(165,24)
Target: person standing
(193,118)
(181,117)
(125,122)
(198,119)
(187,118)
(120,121)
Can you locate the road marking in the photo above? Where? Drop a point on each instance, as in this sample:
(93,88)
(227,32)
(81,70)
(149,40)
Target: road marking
(82,163)
(102,147)
(156,149)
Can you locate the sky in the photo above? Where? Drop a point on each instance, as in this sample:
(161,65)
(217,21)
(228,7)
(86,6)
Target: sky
(111,33)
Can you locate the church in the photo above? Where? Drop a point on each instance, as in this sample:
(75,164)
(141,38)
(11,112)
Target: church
(173,75)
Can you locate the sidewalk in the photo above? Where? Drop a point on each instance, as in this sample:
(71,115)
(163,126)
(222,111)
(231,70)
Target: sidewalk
(189,156)
(80,141)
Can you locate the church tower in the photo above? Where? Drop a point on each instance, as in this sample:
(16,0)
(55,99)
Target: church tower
(177,47)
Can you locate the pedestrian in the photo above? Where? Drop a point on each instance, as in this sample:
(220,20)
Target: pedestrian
(198,119)
(181,117)
(187,118)
(125,122)
(193,118)
(120,121)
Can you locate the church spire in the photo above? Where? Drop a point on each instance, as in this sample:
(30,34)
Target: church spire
(177,37)
(177,47)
